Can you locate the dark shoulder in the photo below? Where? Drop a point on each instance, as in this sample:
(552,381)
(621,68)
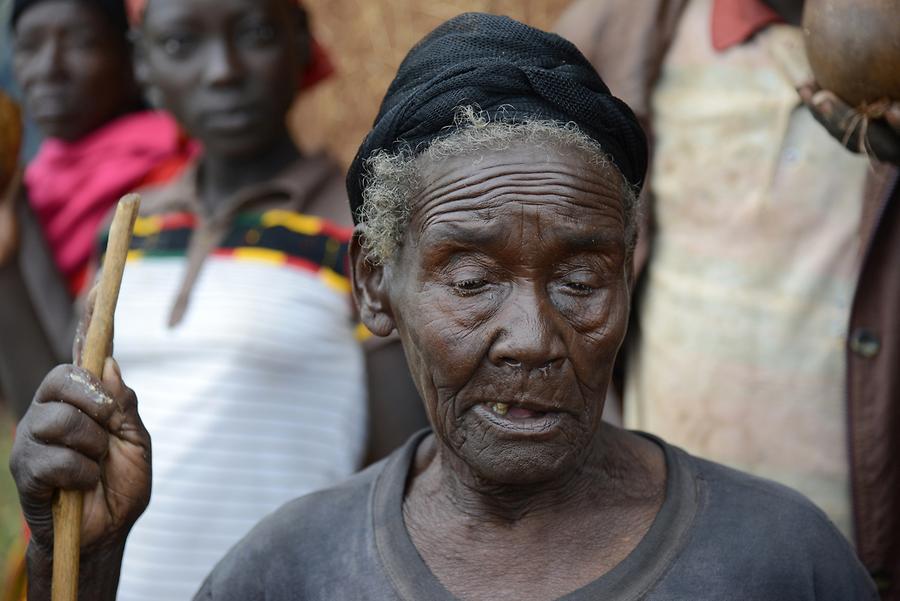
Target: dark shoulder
(318,188)
(752,526)
(177,194)
(761,499)
(300,540)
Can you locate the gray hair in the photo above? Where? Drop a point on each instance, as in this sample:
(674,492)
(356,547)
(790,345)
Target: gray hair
(391,180)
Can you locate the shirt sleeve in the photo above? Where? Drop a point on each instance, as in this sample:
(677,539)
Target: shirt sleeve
(838,573)
(205,593)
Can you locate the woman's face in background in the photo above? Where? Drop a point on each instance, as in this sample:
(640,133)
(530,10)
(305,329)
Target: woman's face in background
(74,67)
(227,69)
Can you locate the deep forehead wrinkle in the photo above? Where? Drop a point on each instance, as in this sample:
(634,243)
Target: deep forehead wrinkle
(493,184)
(482,235)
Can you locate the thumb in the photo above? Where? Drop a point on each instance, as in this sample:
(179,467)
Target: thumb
(126,422)
(115,386)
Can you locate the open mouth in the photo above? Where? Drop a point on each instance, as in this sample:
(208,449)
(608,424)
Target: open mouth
(515,411)
(235,118)
(517,418)
(50,108)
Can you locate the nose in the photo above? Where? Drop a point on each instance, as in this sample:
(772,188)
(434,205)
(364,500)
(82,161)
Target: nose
(529,333)
(223,66)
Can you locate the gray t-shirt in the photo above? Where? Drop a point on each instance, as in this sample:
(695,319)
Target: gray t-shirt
(720,535)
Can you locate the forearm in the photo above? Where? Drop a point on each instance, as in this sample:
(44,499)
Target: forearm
(26,354)
(98,577)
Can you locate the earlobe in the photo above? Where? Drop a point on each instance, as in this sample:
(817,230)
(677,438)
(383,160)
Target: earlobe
(369,281)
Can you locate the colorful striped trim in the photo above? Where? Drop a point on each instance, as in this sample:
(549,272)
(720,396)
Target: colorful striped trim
(295,222)
(276,237)
(362,333)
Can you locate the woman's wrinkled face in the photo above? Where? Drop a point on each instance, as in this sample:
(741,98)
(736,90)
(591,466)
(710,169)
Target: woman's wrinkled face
(227,69)
(73,66)
(511,296)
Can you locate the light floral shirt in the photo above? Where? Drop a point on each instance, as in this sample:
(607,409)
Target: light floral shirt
(742,328)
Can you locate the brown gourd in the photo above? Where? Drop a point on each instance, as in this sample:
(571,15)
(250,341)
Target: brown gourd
(854,49)
(10,142)
(10,139)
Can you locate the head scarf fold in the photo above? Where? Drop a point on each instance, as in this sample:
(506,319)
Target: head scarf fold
(500,66)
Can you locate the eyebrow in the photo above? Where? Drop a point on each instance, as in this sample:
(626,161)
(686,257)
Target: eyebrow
(462,235)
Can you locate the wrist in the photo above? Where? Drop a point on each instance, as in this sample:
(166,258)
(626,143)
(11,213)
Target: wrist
(98,574)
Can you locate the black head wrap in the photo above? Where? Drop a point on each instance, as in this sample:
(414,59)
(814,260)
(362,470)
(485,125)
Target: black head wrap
(498,64)
(114,9)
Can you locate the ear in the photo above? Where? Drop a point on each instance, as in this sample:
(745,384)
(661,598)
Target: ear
(370,287)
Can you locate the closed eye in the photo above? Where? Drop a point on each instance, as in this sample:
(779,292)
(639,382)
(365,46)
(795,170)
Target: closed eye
(261,34)
(579,287)
(176,45)
(470,286)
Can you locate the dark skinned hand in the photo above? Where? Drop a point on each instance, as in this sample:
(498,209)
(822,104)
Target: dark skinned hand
(877,134)
(83,434)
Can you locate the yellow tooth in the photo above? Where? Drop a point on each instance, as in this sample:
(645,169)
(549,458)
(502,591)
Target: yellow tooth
(500,408)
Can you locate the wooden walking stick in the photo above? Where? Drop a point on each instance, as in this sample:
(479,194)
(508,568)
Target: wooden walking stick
(68,506)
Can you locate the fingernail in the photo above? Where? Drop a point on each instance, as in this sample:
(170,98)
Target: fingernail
(114,365)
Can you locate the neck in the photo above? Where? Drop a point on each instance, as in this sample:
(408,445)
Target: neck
(220,177)
(596,483)
(476,536)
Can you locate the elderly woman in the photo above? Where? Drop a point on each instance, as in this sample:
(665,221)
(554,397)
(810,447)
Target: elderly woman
(496,241)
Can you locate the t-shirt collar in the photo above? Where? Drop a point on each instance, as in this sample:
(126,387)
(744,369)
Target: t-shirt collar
(631,579)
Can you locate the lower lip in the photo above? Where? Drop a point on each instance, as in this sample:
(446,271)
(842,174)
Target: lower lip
(542,425)
(49,110)
(230,120)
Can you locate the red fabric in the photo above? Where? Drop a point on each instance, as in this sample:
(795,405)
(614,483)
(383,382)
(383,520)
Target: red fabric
(72,186)
(318,68)
(734,21)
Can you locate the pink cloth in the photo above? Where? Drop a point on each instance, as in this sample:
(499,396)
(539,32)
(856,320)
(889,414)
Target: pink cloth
(72,185)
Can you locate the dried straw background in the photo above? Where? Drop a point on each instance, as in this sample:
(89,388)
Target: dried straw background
(367,39)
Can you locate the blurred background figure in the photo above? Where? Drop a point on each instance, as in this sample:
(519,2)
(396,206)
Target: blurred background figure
(237,292)
(73,64)
(767,333)
(31,138)
(72,61)
(12,545)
